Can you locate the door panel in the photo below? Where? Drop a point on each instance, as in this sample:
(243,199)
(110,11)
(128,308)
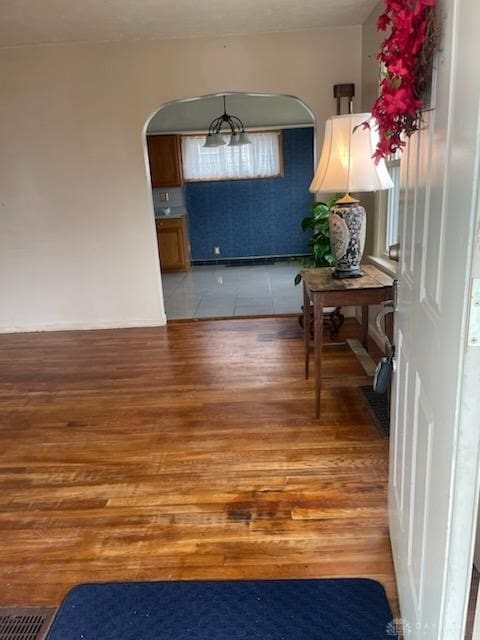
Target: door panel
(397,466)
(439,172)
(440,135)
(421,478)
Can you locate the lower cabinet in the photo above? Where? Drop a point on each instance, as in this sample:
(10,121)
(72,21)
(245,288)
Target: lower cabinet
(173,243)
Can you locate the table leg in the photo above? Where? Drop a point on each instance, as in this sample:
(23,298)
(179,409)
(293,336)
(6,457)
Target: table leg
(365,327)
(306,328)
(318,339)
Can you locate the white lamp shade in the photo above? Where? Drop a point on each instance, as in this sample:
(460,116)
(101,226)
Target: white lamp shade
(244,139)
(214,140)
(210,141)
(346,164)
(235,140)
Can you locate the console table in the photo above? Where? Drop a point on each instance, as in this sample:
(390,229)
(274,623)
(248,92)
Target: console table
(322,290)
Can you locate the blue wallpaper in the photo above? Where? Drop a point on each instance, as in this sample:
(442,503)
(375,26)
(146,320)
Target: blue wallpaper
(254,217)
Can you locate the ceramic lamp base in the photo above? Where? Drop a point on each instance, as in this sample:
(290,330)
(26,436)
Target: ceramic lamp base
(348,224)
(341,275)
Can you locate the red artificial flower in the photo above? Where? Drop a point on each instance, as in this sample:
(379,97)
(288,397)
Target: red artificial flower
(398,68)
(403,20)
(383,22)
(395,5)
(397,109)
(419,38)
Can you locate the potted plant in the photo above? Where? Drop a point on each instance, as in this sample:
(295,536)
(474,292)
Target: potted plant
(317,223)
(320,256)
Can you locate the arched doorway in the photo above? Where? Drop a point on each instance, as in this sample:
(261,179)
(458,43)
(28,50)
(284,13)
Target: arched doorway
(211,216)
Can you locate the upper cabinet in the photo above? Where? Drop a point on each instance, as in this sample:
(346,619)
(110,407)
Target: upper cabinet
(165,157)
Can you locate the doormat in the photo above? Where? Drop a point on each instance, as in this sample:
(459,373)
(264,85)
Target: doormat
(25,623)
(378,406)
(341,609)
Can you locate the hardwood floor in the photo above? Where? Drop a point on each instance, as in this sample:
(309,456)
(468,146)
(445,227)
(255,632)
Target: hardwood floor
(184,452)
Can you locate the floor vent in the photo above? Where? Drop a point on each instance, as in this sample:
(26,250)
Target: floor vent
(379,408)
(25,624)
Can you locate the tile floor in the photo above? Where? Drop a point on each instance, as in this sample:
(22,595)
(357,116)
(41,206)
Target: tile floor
(221,291)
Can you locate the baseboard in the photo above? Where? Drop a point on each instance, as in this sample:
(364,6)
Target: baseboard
(349,312)
(85,325)
(248,261)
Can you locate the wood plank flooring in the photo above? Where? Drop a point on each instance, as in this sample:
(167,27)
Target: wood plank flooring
(184,452)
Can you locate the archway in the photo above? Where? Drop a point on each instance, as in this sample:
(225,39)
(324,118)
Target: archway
(218,221)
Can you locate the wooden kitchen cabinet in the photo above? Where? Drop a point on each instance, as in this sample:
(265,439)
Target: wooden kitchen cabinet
(165,158)
(173,243)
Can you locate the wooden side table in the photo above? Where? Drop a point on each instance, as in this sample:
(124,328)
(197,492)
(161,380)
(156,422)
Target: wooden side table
(324,291)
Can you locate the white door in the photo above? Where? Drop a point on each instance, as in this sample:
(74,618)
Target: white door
(434,445)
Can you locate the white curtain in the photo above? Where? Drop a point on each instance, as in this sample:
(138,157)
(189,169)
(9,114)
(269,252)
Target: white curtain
(260,159)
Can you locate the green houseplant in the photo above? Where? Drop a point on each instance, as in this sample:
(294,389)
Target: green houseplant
(317,223)
(321,256)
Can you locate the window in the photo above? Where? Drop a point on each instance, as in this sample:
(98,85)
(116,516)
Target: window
(261,159)
(393,204)
(387,218)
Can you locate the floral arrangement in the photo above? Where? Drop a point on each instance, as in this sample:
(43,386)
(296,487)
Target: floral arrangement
(406,55)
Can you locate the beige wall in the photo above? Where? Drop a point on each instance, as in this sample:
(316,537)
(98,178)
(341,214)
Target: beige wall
(77,244)
(371,41)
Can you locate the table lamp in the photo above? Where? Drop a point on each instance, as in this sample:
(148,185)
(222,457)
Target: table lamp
(347,166)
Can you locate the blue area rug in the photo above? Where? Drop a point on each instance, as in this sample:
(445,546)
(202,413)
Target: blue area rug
(340,609)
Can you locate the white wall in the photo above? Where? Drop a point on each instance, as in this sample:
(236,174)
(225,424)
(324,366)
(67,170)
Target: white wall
(77,244)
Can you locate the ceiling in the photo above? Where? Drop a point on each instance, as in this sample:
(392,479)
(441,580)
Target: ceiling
(253,110)
(24,22)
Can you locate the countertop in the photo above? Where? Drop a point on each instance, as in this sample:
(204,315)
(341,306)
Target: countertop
(175,212)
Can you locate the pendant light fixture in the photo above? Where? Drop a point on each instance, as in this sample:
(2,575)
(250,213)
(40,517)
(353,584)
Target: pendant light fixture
(238,135)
